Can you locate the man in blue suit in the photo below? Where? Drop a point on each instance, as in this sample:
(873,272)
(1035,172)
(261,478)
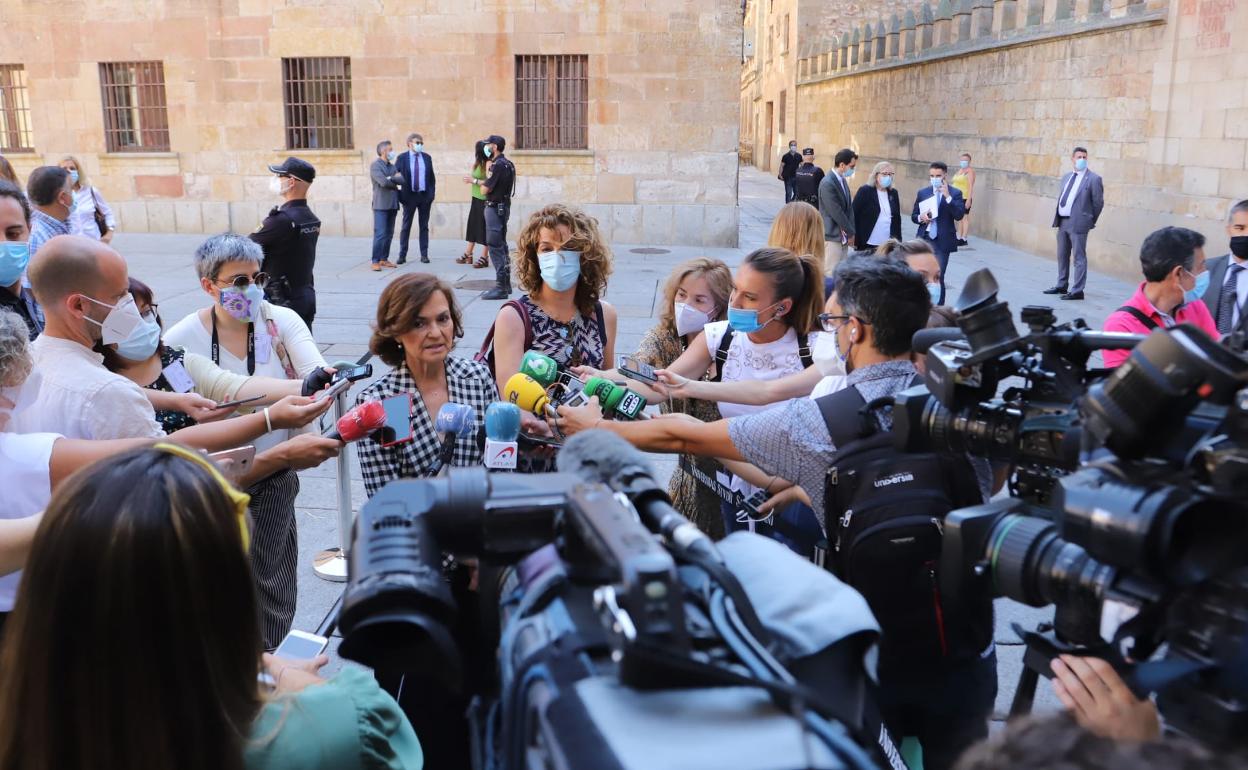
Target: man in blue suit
(940,231)
(416,193)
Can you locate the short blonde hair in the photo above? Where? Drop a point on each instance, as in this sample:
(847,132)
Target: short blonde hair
(799,229)
(718,279)
(875,172)
(82,172)
(586,238)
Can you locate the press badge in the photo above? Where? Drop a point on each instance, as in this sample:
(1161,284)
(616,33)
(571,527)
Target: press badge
(264,348)
(178,378)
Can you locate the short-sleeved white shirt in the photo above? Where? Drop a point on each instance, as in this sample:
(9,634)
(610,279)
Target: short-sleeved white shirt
(748,360)
(25,477)
(191,335)
(79,398)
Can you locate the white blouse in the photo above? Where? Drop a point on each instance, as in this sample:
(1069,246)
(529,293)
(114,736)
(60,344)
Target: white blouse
(25,477)
(82,218)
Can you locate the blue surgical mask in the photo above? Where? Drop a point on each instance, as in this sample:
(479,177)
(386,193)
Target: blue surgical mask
(1081,164)
(243,304)
(142,342)
(560,269)
(847,173)
(745,320)
(886,181)
(937,181)
(14,256)
(390,156)
(964,164)
(418,148)
(933,289)
(488,150)
(73,176)
(1197,291)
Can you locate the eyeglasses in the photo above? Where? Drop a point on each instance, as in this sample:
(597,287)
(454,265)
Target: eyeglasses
(243,281)
(830,322)
(240,500)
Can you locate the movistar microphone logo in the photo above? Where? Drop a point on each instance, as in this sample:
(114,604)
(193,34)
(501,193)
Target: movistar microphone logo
(896,478)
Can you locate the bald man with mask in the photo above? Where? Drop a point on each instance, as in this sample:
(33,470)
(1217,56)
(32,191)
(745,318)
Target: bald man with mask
(84,288)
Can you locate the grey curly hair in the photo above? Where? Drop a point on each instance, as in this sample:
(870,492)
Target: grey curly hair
(15,360)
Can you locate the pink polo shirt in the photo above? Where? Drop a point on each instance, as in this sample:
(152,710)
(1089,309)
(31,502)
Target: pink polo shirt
(1194,313)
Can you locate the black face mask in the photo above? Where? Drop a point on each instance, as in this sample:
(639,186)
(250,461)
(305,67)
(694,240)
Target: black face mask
(1239,246)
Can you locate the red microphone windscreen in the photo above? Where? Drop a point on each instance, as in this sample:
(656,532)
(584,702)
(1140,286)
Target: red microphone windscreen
(361,421)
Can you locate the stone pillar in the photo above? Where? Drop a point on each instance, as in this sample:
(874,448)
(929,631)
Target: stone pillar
(923,33)
(1084,8)
(844,51)
(981,18)
(881,41)
(943,28)
(1004,14)
(908,43)
(854,43)
(894,38)
(867,48)
(962,22)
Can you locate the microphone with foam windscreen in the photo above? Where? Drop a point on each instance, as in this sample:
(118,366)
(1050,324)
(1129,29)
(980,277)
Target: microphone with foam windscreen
(502,427)
(453,421)
(540,367)
(601,456)
(526,393)
(364,420)
(616,400)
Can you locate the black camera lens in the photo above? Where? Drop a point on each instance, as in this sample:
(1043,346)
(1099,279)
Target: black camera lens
(1031,564)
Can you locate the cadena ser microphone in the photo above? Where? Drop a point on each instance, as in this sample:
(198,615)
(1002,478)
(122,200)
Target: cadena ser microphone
(363,420)
(602,456)
(453,421)
(526,393)
(540,367)
(502,427)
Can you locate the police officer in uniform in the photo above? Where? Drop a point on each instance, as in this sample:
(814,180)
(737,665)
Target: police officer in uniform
(288,237)
(498,189)
(807,178)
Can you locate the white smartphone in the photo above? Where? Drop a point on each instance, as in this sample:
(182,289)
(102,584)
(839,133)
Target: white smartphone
(300,645)
(234,463)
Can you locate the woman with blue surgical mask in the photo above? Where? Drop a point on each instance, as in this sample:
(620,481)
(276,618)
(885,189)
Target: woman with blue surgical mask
(562,262)
(877,209)
(185,387)
(91,216)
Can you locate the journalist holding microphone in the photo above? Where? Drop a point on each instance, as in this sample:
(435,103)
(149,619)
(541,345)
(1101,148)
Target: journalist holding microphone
(418,324)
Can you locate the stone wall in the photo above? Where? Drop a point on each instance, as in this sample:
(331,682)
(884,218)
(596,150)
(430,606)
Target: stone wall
(663,86)
(1156,93)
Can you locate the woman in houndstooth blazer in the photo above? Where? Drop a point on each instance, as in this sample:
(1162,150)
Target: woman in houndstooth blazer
(418,324)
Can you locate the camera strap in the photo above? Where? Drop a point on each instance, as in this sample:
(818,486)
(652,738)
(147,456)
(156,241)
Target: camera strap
(1140,316)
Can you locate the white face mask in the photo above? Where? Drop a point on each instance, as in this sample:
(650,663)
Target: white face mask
(121,320)
(689,320)
(826,356)
(275,185)
(22,396)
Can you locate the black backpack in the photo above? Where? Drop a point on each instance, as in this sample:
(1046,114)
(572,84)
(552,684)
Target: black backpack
(725,342)
(885,513)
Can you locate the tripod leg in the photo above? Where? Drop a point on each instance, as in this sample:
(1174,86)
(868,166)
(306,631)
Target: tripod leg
(1025,693)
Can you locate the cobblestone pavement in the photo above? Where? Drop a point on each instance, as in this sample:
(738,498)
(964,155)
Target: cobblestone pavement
(346,299)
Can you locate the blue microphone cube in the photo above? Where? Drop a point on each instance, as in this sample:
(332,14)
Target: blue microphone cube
(502,421)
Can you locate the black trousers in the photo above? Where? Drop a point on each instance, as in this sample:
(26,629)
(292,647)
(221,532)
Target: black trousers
(413,204)
(947,708)
(496,215)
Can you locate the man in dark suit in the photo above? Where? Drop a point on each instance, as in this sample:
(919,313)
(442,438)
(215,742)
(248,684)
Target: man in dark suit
(1079,203)
(940,230)
(416,194)
(836,206)
(1227,295)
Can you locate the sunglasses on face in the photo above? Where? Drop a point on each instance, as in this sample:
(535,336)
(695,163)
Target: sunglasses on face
(243,281)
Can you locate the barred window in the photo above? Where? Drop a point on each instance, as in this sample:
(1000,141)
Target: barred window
(316,91)
(136,118)
(15,133)
(552,102)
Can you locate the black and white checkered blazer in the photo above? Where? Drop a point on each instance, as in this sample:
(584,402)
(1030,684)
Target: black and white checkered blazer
(469,383)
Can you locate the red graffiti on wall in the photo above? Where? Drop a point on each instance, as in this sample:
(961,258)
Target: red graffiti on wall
(1212,23)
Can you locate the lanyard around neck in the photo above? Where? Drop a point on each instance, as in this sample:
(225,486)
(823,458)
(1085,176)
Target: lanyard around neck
(251,344)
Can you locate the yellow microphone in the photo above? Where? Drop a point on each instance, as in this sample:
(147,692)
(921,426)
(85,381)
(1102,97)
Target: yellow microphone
(526,393)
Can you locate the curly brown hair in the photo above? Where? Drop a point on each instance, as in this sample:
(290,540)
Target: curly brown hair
(398,307)
(586,238)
